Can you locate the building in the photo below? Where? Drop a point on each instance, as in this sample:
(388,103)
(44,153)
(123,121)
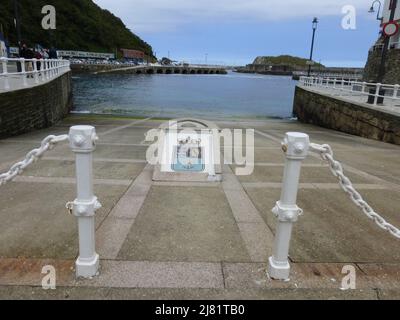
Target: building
(133,55)
(68,54)
(391,56)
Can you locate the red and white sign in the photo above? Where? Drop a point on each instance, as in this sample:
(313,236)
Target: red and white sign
(390,28)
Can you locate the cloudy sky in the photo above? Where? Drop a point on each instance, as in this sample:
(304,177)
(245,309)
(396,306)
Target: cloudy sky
(236,31)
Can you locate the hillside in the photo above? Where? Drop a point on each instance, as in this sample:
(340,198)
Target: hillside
(81,25)
(284,60)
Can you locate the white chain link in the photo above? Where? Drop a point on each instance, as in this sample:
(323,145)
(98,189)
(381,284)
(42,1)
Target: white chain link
(337,169)
(17,169)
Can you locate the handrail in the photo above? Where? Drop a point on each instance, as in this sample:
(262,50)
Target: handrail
(29,72)
(354,89)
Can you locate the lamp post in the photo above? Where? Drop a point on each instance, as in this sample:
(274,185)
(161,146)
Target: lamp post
(372,9)
(382,68)
(206,58)
(17,21)
(314,27)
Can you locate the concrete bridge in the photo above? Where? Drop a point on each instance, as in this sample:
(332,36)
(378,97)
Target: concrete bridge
(159,69)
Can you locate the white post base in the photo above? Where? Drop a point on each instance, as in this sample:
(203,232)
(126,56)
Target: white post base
(278,271)
(87,269)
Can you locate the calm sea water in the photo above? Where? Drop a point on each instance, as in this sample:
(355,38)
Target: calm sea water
(173,96)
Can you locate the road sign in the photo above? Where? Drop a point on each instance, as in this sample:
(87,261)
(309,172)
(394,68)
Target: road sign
(391,28)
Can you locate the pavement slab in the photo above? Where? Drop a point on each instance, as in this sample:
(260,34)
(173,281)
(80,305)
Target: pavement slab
(314,240)
(185,224)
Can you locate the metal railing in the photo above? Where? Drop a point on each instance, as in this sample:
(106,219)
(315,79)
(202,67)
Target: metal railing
(347,76)
(297,148)
(364,92)
(82,140)
(22,73)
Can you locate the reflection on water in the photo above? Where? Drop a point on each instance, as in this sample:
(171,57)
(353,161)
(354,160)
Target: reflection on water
(173,96)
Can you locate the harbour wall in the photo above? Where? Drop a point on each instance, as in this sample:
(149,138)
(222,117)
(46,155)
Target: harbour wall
(338,114)
(35,108)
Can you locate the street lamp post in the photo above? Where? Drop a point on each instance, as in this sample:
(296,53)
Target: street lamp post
(314,27)
(372,9)
(206,58)
(382,68)
(17,21)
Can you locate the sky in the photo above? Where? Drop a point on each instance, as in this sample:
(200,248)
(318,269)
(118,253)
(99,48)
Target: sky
(235,32)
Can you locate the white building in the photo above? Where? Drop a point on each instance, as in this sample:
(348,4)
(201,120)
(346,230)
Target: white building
(395,40)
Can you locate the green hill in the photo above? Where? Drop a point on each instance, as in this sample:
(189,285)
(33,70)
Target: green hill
(81,25)
(284,60)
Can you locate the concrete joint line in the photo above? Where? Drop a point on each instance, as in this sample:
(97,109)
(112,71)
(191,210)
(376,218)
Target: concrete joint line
(114,230)
(348,168)
(256,235)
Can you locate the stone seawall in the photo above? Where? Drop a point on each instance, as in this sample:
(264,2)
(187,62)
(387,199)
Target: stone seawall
(392,74)
(335,113)
(34,108)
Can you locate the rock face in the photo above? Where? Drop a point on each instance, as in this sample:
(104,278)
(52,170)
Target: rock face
(334,113)
(35,108)
(392,75)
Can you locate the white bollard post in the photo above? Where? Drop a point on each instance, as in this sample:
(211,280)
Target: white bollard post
(296,146)
(82,141)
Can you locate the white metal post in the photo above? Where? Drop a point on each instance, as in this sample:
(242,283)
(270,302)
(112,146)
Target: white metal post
(82,141)
(364,86)
(35,71)
(41,70)
(23,72)
(395,94)
(378,90)
(296,146)
(5,74)
(47,69)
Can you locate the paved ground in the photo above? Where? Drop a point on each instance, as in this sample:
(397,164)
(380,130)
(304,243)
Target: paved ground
(198,241)
(389,105)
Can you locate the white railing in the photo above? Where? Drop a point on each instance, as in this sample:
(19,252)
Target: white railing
(347,76)
(364,92)
(22,73)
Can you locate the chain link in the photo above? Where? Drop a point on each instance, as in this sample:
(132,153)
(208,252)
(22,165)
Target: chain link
(337,170)
(17,169)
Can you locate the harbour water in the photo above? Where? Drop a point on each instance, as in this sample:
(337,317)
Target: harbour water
(173,96)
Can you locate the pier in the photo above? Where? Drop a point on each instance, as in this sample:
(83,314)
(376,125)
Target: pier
(149,69)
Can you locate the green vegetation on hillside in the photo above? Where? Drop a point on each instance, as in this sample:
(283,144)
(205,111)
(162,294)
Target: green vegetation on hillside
(81,25)
(284,60)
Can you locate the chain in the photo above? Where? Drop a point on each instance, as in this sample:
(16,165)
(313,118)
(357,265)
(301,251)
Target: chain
(17,169)
(337,169)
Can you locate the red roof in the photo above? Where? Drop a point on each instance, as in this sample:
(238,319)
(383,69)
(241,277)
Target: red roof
(132,54)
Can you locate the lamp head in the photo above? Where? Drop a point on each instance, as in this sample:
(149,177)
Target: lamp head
(371,10)
(315,23)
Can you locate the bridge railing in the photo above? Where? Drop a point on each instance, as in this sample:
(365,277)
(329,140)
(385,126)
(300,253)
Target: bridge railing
(371,93)
(22,73)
